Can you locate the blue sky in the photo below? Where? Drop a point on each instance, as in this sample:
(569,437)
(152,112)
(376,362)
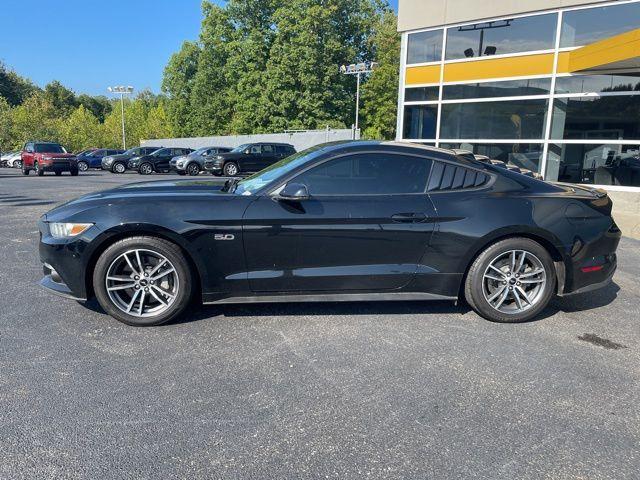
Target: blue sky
(88,44)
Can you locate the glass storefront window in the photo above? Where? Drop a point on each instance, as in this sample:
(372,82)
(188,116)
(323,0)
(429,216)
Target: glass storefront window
(582,27)
(509,88)
(612,117)
(598,83)
(421,94)
(424,47)
(598,164)
(512,119)
(502,36)
(523,155)
(420,121)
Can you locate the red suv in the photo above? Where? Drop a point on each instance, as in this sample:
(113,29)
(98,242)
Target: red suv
(47,157)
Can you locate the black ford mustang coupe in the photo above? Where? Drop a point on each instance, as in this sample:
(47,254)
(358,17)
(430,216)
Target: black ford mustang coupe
(343,221)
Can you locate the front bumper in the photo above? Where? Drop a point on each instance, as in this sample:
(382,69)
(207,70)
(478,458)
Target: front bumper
(58,166)
(54,283)
(64,262)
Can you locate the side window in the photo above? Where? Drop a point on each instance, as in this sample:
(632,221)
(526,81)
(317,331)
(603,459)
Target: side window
(368,174)
(254,149)
(267,149)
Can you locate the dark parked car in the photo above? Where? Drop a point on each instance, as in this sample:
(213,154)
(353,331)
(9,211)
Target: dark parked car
(119,163)
(44,157)
(193,163)
(157,161)
(343,221)
(247,158)
(93,159)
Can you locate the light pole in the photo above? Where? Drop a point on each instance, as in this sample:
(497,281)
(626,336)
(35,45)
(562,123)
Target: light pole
(122,90)
(358,69)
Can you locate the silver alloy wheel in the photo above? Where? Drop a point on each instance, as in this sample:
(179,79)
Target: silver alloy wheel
(193,169)
(17,164)
(145,169)
(142,283)
(119,168)
(514,281)
(82,166)
(231,169)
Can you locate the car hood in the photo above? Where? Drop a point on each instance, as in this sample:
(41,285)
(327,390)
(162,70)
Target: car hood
(59,155)
(152,192)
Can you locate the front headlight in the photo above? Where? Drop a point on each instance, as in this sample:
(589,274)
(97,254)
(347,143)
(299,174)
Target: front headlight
(67,230)
(180,163)
(107,159)
(219,157)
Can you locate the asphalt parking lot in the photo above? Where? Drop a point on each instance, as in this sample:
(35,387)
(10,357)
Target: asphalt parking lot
(383,390)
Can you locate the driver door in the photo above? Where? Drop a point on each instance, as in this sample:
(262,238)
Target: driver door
(365,226)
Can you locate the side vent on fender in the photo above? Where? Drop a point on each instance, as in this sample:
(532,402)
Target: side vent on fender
(446,176)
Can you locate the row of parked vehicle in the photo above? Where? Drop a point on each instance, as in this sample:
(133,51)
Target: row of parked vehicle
(41,157)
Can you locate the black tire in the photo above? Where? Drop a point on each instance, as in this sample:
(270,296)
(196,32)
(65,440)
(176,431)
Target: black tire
(74,172)
(145,169)
(18,164)
(474,288)
(230,169)
(118,167)
(39,171)
(26,171)
(167,249)
(58,173)
(83,166)
(193,169)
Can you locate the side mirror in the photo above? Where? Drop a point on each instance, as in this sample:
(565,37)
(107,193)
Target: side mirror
(295,192)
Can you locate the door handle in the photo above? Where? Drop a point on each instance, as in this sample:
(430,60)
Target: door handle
(409,217)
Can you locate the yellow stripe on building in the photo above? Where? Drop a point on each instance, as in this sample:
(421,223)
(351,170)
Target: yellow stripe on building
(521,66)
(424,74)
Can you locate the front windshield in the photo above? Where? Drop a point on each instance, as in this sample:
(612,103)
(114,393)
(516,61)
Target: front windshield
(241,148)
(49,148)
(258,180)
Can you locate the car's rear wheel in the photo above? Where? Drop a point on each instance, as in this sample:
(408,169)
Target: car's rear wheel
(17,164)
(143,281)
(230,169)
(83,166)
(511,281)
(38,170)
(145,169)
(118,167)
(193,169)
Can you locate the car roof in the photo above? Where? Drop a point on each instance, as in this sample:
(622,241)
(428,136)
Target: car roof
(401,147)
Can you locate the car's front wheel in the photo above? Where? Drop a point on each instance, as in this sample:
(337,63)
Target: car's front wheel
(230,169)
(145,169)
(26,171)
(143,281)
(39,171)
(193,169)
(511,281)
(118,167)
(83,166)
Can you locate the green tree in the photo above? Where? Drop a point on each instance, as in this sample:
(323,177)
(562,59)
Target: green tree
(380,92)
(210,98)
(63,99)
(81,130)
(6,138)
(304,88)
(36,119)
(14,88)
(177,83)
(99,106)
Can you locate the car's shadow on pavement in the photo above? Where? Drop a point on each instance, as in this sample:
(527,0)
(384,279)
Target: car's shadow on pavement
(574,303)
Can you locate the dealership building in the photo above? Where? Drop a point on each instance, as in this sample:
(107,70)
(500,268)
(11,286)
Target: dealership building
(548,85)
